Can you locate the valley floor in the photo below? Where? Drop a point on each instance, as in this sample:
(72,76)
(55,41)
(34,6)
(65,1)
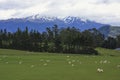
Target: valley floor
(23,65)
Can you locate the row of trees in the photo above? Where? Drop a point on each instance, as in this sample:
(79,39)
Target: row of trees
(65,40)
(112,43)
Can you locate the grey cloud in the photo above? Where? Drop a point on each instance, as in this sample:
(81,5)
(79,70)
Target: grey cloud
(98,10)
(18,4)
(13,5)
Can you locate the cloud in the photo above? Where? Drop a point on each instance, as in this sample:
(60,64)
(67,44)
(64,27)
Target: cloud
(5,14)
(104,11)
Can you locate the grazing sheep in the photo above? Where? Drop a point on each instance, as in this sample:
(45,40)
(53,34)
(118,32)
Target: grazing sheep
(69,62)
(32,66)
(20,62)
(99,70)
(47,60)
(45,64)
(118,66)
(73,65)
(105,61)
(80,62)
(68,56)
(6,62)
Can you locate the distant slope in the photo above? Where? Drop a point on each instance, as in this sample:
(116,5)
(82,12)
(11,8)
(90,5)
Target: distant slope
(40,23)
(110,31)
(108,52)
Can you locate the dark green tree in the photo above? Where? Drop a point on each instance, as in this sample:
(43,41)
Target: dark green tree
(110,43)
(118,41)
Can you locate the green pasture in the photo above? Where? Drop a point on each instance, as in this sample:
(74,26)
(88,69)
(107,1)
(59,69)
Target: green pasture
(24,65)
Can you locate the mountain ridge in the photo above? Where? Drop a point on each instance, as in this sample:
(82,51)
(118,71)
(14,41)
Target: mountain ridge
(40,23)
(110,31)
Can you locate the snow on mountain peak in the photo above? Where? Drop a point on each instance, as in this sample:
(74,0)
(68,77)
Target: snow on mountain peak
(39,17)
(70,19)
(84,20)
(33,22)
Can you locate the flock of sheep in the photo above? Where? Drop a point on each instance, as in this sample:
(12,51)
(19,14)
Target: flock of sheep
(69,61)
(100,70)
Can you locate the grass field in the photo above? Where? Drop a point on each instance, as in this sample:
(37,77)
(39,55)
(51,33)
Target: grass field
(23,65)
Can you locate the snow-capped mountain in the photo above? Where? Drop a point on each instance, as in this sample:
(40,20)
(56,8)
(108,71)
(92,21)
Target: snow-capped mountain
(40,18)
(70,19)
(40,23)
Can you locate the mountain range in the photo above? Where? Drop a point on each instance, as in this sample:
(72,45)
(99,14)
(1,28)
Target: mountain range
(40,23)
(110,31)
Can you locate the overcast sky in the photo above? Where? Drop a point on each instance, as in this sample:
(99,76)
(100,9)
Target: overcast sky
(104,11)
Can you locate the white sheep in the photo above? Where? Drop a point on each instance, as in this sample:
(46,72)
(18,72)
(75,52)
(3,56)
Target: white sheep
(73,65)
(32,66)
(105,61)
(20,62)
(69,62)
(45,64)
(47,60)
(99,70)
(6,62)
(80,62)
(68,56)
(118,66)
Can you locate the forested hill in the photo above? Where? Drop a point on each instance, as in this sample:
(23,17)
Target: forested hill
(65,40)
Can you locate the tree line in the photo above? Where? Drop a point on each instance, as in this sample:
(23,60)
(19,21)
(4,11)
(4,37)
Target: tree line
(64,40)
